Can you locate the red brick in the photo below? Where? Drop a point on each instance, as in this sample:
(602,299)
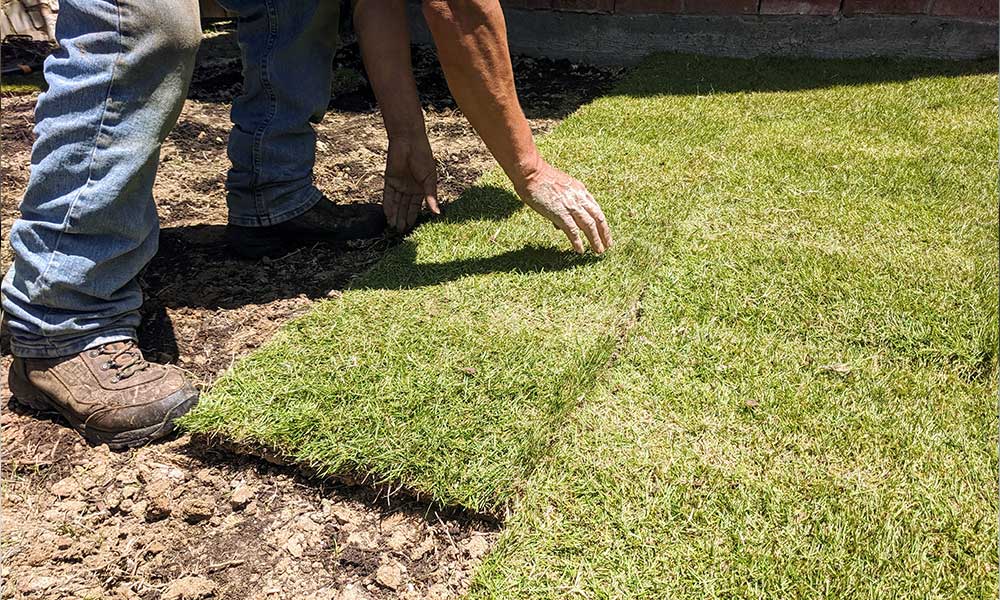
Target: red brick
(720,7)
(592,6)
(799,7)
(976,9)
(886,7)
(648,7)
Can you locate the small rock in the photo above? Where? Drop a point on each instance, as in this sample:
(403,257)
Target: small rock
(155,509)
(241,497)
(113,499)
(64,488)
(390,576)
(294,546)
(196,510)
(64,542)
(189,588)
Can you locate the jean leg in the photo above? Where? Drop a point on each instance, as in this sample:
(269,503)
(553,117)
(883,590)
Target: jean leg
(88,222)
(288,48)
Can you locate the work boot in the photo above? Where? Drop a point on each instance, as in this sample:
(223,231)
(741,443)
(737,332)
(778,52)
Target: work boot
(325,222)
(110,394)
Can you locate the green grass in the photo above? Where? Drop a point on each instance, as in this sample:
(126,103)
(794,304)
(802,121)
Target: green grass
(781,383)
(23,84)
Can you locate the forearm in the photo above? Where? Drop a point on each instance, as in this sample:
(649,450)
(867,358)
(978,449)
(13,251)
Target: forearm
(384,37)
(471,39)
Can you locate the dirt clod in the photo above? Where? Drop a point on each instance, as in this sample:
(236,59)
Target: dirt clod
(190,588)
(66,488)
(241,497)
(196,510)
(390,576)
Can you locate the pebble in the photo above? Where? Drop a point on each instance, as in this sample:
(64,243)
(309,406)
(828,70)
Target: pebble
(157,508)
(294,547)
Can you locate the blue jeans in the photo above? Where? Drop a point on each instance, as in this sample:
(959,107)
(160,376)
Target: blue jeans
(116,87)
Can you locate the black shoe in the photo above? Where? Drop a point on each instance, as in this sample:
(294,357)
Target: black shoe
(325,222)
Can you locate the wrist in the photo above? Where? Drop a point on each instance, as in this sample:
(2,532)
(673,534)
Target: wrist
(527,171)
(410,132)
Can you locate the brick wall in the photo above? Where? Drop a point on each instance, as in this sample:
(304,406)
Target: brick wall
(971,9)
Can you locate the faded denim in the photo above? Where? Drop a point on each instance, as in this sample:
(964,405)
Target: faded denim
(116,86)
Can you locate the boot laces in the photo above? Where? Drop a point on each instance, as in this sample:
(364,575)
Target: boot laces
(133,361)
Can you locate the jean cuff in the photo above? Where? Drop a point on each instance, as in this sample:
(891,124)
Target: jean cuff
(70,347)
(291,207)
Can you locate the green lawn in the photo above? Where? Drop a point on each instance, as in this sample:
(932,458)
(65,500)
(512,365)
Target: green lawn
(23,84)
(781,383)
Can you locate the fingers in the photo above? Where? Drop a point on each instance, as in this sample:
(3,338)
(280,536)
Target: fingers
(602,223)
(588,226)
(430,195)
(569,228)
(390,206)
(412,204)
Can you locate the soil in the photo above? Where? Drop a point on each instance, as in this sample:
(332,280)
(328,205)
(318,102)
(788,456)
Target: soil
(182,519)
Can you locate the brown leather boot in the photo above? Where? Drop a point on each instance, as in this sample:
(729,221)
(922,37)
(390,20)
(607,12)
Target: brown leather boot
(110,394)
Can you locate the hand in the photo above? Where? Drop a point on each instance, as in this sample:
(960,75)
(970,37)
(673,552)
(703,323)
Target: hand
(410,182)
(567,203)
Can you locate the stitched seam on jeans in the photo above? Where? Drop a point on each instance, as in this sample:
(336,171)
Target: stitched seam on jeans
(93,153)
(265,83)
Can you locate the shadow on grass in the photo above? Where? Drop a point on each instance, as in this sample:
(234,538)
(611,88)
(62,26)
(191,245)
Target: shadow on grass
(406,273)
(195,269)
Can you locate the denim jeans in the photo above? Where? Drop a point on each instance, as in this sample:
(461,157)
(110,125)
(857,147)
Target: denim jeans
(117,83)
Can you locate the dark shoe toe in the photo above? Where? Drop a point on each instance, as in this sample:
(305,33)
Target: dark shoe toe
(324,222)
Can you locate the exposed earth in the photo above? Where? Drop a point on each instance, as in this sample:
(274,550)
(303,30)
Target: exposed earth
(184,520)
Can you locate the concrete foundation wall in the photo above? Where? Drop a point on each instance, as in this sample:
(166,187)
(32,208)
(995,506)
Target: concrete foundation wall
(622,39)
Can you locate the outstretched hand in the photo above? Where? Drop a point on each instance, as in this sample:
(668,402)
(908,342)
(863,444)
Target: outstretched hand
(567,203)
(410,182)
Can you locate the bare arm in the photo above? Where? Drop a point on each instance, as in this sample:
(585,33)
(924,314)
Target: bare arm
(410,175)
(471,38)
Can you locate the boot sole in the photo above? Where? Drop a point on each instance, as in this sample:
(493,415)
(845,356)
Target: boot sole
(29,396)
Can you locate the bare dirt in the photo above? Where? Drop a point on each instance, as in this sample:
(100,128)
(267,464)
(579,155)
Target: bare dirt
(182,520)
